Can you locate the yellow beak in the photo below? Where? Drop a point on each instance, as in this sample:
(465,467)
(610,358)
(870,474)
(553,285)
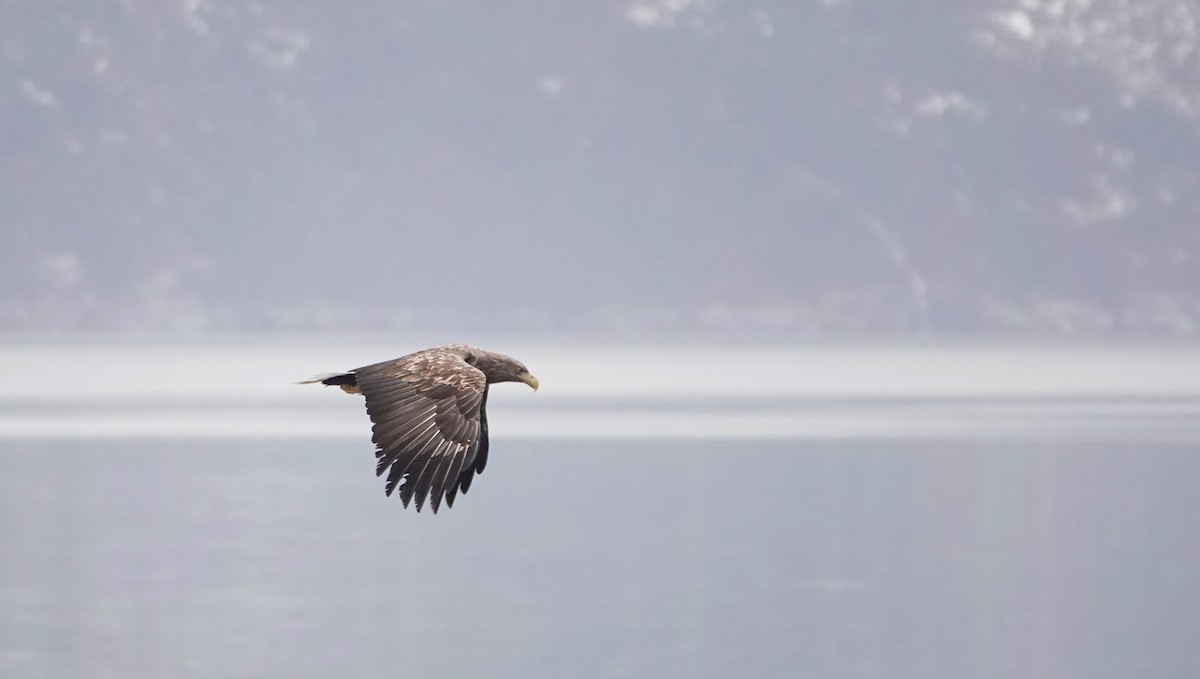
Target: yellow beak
(529,379)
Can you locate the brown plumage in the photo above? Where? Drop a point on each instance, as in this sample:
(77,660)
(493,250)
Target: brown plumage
(430,422)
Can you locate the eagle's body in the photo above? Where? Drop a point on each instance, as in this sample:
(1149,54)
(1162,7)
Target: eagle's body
(430,423)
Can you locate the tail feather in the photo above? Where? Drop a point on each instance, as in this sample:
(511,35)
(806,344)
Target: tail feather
(333,379)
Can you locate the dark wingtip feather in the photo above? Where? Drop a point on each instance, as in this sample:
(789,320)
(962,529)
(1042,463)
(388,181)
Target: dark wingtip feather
(451,460)
(452,489)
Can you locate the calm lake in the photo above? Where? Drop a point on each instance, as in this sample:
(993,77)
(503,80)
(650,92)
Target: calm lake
(869,511)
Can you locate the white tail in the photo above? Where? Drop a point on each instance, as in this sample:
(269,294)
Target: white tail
(320,378)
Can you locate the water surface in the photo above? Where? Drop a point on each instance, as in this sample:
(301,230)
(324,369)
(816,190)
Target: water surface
(889,534)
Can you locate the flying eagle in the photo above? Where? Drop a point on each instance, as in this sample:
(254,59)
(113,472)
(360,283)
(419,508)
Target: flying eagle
(430,423)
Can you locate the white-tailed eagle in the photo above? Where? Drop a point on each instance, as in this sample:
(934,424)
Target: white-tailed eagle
(430,422)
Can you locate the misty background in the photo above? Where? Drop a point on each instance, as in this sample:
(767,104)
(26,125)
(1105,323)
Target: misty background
(605,169)
(866,335)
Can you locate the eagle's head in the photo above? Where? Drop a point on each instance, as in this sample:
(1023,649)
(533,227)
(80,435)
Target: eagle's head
(499,368)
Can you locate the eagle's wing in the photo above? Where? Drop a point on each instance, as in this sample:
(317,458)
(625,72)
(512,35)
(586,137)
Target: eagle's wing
(429,428)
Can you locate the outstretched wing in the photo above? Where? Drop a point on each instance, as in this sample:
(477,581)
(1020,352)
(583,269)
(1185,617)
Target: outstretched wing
(429,430)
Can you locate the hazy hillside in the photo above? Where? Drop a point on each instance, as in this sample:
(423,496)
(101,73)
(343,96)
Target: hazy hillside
(778,168)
